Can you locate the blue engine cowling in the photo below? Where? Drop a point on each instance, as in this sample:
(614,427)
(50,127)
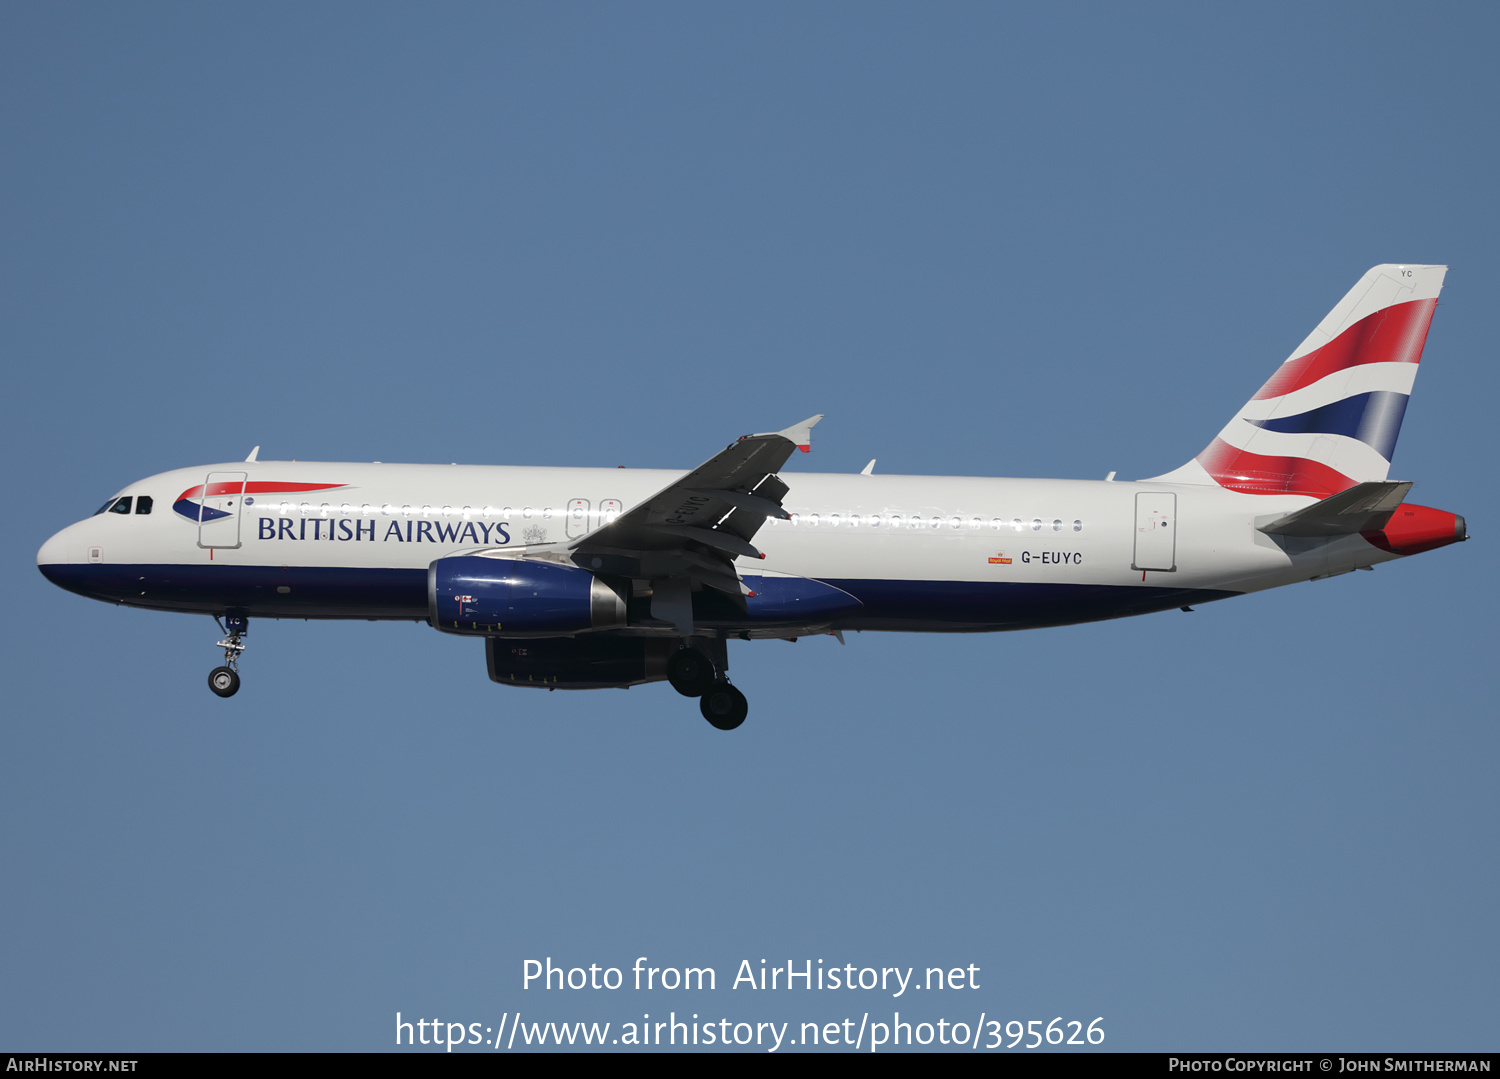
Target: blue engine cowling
(512,597)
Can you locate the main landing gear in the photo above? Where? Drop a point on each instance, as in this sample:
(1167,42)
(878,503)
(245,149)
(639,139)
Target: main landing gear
(693,672)
(724,706)
(225,680)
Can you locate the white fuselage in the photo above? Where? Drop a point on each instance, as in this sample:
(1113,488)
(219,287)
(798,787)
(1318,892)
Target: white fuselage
(921,552)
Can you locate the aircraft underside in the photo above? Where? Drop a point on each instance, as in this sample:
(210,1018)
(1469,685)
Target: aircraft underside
(640,651)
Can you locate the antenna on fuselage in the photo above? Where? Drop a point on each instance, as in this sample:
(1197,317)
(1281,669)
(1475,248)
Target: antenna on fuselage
(253,454)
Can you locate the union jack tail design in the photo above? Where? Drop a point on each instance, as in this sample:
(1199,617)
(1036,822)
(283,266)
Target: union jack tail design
(1328,418)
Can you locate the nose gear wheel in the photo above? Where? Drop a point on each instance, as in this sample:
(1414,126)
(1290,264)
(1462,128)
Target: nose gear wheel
(225,680)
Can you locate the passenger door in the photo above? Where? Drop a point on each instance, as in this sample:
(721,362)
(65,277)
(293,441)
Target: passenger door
(219,510)
(1155,531)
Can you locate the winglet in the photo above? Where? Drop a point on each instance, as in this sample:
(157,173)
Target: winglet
(800,434)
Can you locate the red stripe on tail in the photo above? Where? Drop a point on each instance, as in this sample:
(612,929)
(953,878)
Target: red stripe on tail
(1256,474)
(1392,335)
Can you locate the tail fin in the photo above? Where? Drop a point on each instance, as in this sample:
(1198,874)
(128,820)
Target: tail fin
(1328,418)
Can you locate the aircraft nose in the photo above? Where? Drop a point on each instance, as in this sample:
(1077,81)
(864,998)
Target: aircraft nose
(65,548)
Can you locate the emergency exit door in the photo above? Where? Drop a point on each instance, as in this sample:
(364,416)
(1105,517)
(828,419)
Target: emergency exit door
(578,518)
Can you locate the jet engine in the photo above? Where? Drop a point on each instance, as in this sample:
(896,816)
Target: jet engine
(512,597)
(578,662)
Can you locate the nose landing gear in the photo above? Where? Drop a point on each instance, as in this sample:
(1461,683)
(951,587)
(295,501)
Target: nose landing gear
(225,680)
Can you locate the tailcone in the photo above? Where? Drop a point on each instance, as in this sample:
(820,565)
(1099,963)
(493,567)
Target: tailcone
(1413,529)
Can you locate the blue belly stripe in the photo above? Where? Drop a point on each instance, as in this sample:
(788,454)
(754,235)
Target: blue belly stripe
(338,592)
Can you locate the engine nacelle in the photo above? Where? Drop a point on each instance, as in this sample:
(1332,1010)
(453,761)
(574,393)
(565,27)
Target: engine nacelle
(512,597)
(578,662)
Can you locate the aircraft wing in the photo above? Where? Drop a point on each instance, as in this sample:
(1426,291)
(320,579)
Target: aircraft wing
(692,531)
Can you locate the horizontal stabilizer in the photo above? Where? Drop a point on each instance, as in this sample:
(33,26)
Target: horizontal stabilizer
(1365,507)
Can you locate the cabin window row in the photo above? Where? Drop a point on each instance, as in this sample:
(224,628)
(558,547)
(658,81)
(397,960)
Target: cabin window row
(467,513)
(917,520)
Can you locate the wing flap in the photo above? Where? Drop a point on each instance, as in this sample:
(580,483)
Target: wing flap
(689,533)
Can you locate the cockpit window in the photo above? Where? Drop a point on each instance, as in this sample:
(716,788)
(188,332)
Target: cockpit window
(122,506)
(143,504)
(104,507)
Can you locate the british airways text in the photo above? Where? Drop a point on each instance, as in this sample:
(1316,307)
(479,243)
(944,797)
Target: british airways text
(459,532)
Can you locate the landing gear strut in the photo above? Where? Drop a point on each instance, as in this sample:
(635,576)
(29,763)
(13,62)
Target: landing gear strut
(225,680)
(697,669)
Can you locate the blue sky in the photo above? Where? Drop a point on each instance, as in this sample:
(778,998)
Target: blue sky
(985,240)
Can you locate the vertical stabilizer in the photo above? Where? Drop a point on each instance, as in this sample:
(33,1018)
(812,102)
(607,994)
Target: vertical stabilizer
(1328,418)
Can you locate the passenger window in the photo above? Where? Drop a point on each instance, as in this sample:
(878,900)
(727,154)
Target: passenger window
(122,506)
(143,505)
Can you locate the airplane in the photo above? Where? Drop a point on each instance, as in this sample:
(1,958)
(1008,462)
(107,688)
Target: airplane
(591,578)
